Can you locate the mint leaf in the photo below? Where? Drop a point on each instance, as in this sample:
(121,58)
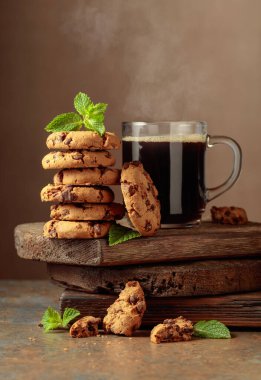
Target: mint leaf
(95,125)
(98,109)
(68,315)
(81,103)
(51,319)
(119,234)
(89,114)
(94,118)
(65,122)
(211,329)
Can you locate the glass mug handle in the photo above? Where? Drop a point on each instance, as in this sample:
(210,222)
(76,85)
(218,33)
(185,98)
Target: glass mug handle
(214,192)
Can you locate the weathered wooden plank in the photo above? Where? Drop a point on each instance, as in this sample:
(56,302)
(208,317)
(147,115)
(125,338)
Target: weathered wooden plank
(181,279)
(208,241)
(234,310)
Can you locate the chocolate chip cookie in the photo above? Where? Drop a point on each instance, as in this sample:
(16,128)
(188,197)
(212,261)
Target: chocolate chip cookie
(124,316)
(172,330)
(140,197)
(56,229)
(90,176)
(228,215)
(87,211)
(76,194)
(83,140)
(77,159)
(85,327)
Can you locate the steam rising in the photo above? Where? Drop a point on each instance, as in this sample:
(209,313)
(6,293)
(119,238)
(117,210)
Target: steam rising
(162,79)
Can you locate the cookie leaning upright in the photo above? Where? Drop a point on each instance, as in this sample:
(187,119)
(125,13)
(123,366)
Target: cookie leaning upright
(141,198)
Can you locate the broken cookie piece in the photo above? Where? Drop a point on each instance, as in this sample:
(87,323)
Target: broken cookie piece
(85,327)
(172,330)
(124,316)
(228,215)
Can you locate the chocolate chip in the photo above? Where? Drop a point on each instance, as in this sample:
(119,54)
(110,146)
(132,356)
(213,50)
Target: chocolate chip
(140,307)
(126,165)
(52,230)
(107,214)
(60,176)
(60,137)
(148,226)
(132,283)
(65,212)
(136,163)
(68,141)
(132,189)
(77,156)
(68,196)
(133,299)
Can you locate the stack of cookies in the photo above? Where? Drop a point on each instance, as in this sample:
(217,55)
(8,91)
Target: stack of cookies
(84,206)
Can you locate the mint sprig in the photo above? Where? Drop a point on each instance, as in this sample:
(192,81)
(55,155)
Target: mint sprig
(81,103)
(70,121)
(119,234)
(52,319)
(89,115)
(211,329)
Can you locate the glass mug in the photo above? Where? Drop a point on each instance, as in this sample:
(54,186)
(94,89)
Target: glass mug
(173,153)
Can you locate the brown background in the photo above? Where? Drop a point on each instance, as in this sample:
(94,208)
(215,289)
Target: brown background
(150,59)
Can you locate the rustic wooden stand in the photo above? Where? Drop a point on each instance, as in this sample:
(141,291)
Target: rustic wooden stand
(174,268)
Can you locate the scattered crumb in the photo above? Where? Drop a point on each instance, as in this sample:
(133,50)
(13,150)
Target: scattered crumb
(65,349)
(32,338)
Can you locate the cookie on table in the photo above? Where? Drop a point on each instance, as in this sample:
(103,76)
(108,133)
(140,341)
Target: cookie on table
(124,316)
(140,197)
(85,327)
(90,176)
(76,194)
(172,330)
(83,140)
(57,229)
(229,215)
(77,159)
(87,211)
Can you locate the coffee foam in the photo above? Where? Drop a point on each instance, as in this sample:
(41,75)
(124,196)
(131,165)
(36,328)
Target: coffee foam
(193,138)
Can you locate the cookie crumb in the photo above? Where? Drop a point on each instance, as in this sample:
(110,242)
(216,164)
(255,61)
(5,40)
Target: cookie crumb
(124,316)
(172,330)
(229,215)
(85,327)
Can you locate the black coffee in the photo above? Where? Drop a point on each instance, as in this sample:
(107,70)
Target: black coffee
(177,170)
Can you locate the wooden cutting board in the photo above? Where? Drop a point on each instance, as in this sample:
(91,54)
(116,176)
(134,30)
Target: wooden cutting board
(234,310)
(180,279)
(208,241)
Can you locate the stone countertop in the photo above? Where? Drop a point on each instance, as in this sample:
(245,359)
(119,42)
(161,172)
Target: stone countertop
(26,352)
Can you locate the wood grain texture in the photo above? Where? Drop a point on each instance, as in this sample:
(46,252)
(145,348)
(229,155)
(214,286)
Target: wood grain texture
(181,279)
(208,241)
(234,310)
